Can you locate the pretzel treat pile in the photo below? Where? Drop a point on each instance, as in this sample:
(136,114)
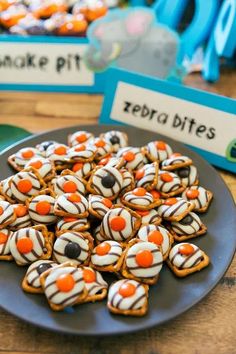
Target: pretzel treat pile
(73,213)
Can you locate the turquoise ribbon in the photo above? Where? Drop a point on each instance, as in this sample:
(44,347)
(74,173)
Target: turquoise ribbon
(10,134)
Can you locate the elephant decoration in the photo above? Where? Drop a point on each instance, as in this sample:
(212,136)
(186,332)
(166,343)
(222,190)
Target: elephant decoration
(133,40)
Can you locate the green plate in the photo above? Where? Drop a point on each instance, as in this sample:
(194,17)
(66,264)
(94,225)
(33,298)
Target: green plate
(10,134)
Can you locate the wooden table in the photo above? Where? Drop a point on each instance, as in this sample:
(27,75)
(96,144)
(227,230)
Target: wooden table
(208,327)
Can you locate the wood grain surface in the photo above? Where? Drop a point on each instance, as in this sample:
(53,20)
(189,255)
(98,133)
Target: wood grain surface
(207,328)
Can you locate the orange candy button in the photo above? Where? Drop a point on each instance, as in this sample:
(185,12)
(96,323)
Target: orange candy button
(139,174)
(43,208)
(170,201)
(36,164)
(104,161)
(74,198)
(60,150)
(77,166)
(100,143)
(20,210)
(89,276)
(166,177)
(80,148)
(81,138)
(160,145)
(129,156)
(69,219)
(27,154)
(103,249)
(1,210)
(140,192)
(24,245)
(192,193)
(69,187)
(144,258)
(127,290)
(142,212)
(117,223)
(24,185)
(155,194)
(155,237)
(186,249)
(3,238)
(107,202)
(65,283)
(176,154)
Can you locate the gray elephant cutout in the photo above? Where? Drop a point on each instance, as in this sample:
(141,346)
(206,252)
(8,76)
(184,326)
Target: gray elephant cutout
(134,42)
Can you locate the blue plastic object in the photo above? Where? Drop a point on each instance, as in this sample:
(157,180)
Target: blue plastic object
(210,70)
(225,29)
(170,12)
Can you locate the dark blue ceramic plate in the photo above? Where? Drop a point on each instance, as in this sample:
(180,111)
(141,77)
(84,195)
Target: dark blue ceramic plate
(170,297)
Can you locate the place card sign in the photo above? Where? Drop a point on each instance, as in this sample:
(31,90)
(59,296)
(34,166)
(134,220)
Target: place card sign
(46,63)
(202,120)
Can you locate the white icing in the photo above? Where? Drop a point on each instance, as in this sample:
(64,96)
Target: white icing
(5,247)
(76,225)
(20,222)
(36,187)
(96,286)
(50,218)
(157,154)
(177,259)
(8,213)
(58,297)
(182,229)
(176,160)
(63,240)
(202,199)
(150,171)
(127,303)
(173,210)
(76,209)
(122,137)
(102,151)
(117,235)
(74,142)
(85,170)
(59,181)
(86,154)
(128,180)
(38,245)
(192,177)
(145,200)
(22,161)
(145,230)
(110,258)
(151,218)
(168,187)
(97,235)
(138,161)
(96,204)
(97,184)
(52,156)
(6,190)
(45,170)
(140,272)
(32,274)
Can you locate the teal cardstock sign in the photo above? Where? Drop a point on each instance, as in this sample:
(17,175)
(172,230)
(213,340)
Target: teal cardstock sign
(204,121)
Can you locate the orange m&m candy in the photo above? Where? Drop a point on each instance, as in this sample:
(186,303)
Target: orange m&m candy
(129,156)
(103,249)
(144,258)
(142,212)
(186,249)
(166,177)
(160,145)
(69,219)
(104,161)
(24,185)
(43,207)
(100,143)
(65,283)
(60,150)
(3,238)
(80,148)
(74,198)
(170,201)
(139,192)
(20,210)
(77,166)
(89,276)
(81,138)
(107,202)
(139,174)
(117,223)
(176,154)
(1,210)
(24,245)
(69,187)
(155,194)
(192,193)
(36,164)
(127,290)
(27,154)
(156,237)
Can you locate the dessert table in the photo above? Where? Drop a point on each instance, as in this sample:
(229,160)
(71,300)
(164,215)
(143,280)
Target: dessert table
(209,327)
